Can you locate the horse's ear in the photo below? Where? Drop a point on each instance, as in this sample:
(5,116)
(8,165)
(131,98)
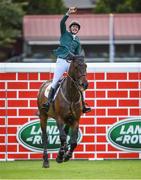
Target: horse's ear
(79,58)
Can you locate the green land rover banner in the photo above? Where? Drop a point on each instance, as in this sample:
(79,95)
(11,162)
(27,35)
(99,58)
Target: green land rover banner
(126,134)
(29,136)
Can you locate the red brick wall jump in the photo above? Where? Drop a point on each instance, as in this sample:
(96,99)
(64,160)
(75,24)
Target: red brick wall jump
(112,96)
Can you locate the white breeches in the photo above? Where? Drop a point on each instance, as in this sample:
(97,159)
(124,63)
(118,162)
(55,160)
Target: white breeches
(61,66)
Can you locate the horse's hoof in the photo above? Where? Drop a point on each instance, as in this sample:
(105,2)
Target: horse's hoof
(67,156)
(45,165)
(59,159)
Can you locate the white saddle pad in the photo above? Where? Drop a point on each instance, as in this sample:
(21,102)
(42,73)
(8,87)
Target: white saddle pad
(47,90)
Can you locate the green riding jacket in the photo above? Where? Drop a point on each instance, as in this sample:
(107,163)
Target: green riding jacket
(69,45)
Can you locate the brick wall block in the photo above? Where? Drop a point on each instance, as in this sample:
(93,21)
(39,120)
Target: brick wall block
(135,112)
(2,139)
(22,149)
(90,76)
(100,147)
(105,85)
(128,85)
(103,103)
(11,94)
(36,156)
(90,130)
(28,94)
(27,112)
(12,139)
(99,94)
(11,112)
(134,76)
(2,103)
(35,85)
(89,138)
(117,112)
(22,76)
(2,94)
(117,94)
(46,76)
(2,148)
(135,94)
(33,103)
(91,85)
(128,102)
(89,94)
(17,103)
(90,147)
(107,155)
(12,148)
(7,76)
(3,130)
(2,85)
(106,120)
(99,76)
(12,130)
(17,85)
(83,156)
(129,155)
(101,138)
(2,121)
(87,121)
(116,76)
(17,156)
(17,121)
(2,156)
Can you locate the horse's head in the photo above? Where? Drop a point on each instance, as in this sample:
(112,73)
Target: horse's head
(78,72)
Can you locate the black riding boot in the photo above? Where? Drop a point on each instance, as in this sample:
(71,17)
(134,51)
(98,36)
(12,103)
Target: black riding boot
(85,108)
(50,97)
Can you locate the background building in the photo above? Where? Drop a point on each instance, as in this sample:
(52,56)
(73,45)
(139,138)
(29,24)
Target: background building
(104,38)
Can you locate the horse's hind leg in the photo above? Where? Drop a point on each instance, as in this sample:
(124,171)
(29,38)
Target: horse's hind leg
(43,123)
(73,144)
(63,148)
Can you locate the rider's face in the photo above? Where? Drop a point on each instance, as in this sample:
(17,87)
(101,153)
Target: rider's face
(74,29)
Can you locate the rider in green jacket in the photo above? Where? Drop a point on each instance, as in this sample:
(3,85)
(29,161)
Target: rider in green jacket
(69,46)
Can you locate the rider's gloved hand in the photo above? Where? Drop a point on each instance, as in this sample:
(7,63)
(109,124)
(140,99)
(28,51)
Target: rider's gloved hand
(72,10)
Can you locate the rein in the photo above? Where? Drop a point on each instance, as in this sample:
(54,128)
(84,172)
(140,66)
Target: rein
(77,87)
(75,82)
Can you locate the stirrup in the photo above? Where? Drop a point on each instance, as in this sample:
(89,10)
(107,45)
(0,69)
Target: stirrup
(86,109)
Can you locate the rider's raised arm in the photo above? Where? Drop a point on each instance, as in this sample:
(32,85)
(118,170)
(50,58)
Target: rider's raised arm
(63,23)
(63,20)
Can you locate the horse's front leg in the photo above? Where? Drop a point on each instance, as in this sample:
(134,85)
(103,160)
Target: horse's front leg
(43,123)
(63,140)
(73,144)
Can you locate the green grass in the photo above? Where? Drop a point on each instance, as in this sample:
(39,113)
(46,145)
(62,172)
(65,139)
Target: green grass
(76,169)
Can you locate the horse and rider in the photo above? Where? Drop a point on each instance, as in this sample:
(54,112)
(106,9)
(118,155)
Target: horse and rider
(68,105)
(69,47)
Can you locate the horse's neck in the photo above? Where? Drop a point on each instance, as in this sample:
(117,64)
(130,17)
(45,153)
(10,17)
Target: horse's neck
(71,92)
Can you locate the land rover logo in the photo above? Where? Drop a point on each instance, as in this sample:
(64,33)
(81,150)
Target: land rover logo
(126,135)
(29,136)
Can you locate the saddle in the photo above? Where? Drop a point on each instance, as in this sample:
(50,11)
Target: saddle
(56,89)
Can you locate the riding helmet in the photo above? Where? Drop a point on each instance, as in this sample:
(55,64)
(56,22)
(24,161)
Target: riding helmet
(75,23)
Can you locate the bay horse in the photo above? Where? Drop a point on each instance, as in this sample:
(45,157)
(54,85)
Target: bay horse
(66,109)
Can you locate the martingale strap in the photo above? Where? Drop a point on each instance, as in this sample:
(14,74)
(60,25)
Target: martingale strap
(67,99)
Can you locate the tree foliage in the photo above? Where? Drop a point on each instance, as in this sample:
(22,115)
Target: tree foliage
(11,15)
(10,21)
(45,7)
(118,6)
